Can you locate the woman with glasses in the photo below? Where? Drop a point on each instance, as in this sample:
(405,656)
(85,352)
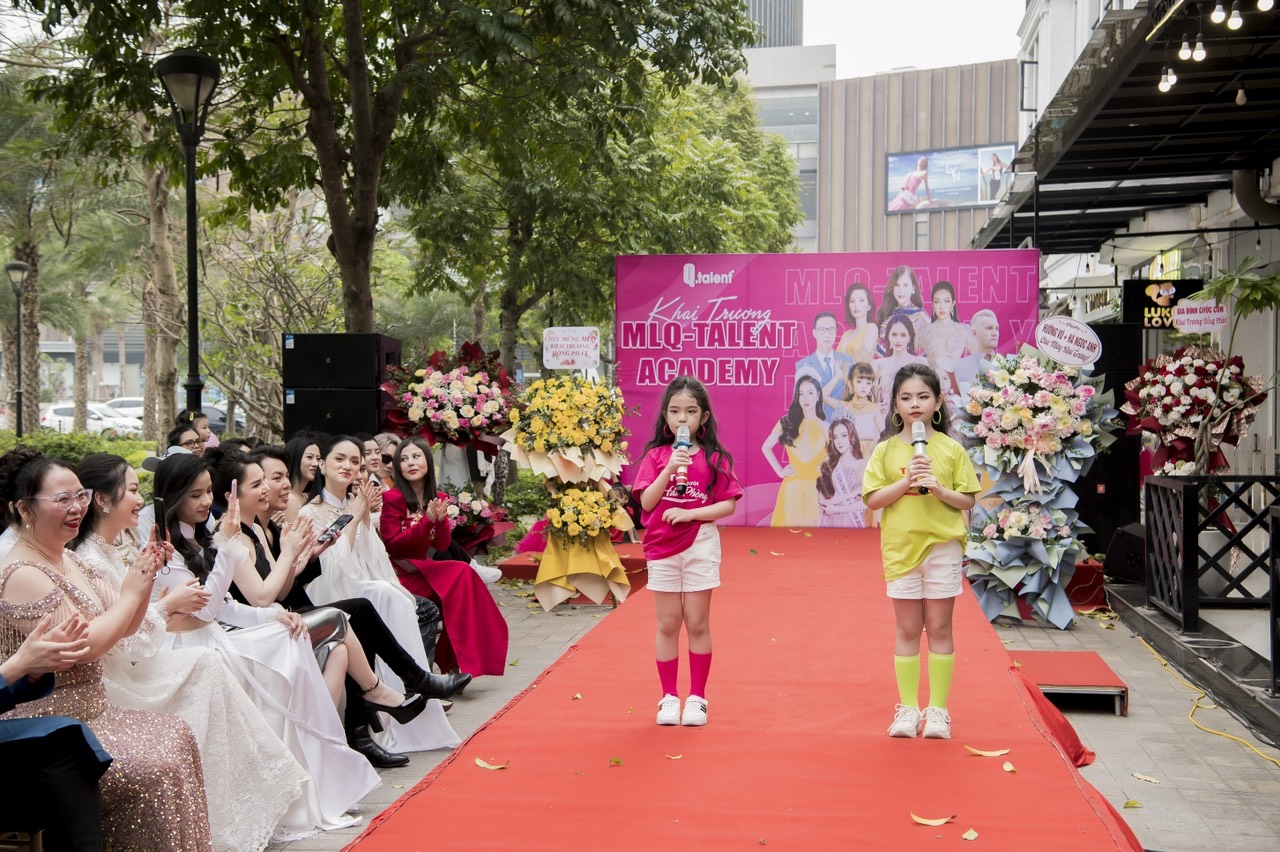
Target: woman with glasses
(153,793)
(250,777)
(187,437)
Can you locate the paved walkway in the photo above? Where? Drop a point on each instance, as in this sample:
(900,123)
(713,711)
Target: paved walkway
(1213,793)
(537,640)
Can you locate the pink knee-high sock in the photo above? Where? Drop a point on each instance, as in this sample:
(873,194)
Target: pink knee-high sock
(667,671)
(699,668)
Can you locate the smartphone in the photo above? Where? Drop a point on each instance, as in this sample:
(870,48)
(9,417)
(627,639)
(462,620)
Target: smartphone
(333,528)
(162,523)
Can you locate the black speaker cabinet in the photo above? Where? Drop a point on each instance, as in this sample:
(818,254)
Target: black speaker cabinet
(1109,492)
(337,360)
(334,411)
(1126,557)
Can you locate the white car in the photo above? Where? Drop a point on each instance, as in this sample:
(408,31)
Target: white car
(126,406)
(61,415)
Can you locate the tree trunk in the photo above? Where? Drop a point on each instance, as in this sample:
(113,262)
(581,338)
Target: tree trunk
(121,357)
(164,314)
(80,372)
(97,360)
(478,307)
(9,348)
(29,253)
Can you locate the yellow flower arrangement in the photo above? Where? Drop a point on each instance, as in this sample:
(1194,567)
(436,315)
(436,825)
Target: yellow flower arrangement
(578,515)
(569,428)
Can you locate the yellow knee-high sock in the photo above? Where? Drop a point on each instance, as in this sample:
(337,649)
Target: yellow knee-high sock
(907,670)
(940,668)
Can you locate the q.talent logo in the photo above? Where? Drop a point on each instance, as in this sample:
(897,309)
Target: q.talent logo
(693,277)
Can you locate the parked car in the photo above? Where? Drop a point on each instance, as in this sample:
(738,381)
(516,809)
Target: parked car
(218,419)
(60,416)
(126,406)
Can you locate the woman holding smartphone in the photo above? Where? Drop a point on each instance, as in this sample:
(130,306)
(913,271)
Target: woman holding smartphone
(355,565)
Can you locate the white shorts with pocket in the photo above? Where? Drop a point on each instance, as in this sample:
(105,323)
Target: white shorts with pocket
(696,569)
(939,575)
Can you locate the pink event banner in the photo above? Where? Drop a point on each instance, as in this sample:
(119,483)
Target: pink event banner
(798,354)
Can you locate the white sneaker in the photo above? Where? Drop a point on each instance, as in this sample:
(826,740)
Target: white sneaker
(695,712)
(669,710)
(937,724)
(906,721)
(487,572)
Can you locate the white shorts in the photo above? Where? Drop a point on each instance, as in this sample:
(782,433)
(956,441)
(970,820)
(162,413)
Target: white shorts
(939,575)
(696,569)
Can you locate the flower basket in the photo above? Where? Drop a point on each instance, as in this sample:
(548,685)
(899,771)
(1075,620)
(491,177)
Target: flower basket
(1035,427)
(570,431)
(460,400)
(1193,402)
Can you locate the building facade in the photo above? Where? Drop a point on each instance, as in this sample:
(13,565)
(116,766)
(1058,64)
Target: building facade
(874,132)
(781,21)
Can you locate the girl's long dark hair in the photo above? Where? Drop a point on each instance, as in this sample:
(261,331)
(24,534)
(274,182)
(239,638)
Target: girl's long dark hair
(890,303)
(893,425)
(790,422)
(428,482)
(826,487)
(717,456)
(174,478)
(104,473)
(316,486)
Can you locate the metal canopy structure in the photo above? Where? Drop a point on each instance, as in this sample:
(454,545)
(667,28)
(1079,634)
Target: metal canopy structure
(1111,145)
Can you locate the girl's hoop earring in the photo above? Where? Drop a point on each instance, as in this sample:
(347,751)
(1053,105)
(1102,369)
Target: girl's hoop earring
(666,431)
(702,431)
(896,419)
(937,417)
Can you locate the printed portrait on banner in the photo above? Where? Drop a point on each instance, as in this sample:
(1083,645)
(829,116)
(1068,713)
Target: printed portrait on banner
(799,353)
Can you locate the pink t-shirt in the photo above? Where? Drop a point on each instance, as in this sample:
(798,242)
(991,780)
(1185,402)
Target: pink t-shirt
(662,539)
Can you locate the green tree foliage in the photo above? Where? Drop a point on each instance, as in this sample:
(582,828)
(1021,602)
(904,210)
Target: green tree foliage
(327,94)
(535,210)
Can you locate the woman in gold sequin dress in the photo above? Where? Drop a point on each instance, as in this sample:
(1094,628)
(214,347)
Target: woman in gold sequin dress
(152,795)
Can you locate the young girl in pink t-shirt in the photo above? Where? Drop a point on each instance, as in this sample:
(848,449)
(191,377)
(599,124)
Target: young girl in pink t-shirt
(681,542)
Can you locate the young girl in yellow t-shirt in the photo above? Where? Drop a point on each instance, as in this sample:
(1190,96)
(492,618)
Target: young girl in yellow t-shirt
(922,498)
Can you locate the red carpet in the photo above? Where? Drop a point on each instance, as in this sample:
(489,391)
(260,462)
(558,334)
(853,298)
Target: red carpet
(795,755)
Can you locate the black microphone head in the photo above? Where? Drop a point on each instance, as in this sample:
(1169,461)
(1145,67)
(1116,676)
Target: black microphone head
(917,433)
(682,435)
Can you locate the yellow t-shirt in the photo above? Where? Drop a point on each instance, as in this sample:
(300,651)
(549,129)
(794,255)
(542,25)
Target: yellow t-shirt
(915,522)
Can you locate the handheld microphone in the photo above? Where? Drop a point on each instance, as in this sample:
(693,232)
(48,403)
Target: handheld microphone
(919,440)
(682,472)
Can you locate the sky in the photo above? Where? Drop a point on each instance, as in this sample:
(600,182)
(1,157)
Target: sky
(873,35)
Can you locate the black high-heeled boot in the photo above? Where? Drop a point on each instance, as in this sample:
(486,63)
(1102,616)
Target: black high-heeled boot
(404,712)
(361,740)
(433,685)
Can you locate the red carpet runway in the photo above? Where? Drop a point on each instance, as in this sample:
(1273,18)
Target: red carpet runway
(795,755)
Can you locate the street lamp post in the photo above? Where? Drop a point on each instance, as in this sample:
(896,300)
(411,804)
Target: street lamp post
(17,272)
(189,79)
